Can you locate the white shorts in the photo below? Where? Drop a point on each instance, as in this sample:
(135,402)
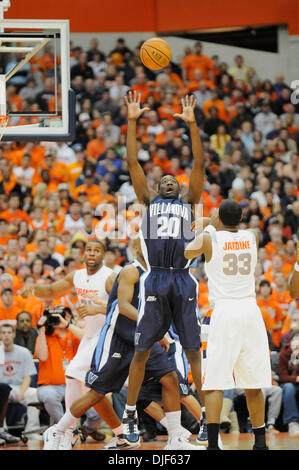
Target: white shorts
(80,364)
(237,350)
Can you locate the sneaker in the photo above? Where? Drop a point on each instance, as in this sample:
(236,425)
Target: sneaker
(2,442)
(185,432)
(293,429)
(34,437)
(51,438)
(65,442)
(9,438)
(271,429)
(94,433)
(118,443)
(202,437)
(179,442)
(130,427)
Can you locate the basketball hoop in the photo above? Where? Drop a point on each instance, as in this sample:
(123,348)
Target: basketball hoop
(3,123)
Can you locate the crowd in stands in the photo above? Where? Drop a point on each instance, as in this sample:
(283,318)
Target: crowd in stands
(55,196)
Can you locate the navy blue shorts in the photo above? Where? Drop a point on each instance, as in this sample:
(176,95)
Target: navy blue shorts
(167,296)
(111,363)
(152,391)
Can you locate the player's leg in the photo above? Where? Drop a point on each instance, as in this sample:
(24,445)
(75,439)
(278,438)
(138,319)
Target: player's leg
(256,408)
(213,402)
(136,376)
(253,368)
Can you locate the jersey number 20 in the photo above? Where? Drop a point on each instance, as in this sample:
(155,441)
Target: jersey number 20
(237,264)
(168,227)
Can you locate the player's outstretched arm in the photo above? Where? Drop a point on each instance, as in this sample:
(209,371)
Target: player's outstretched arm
(56,289)
(197,173)
(127,279)
(200,245)
(294,279)
(136,172)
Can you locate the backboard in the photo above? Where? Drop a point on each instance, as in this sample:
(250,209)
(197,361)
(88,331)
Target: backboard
(38,49)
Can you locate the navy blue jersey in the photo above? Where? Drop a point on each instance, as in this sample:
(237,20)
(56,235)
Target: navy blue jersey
(165,231)
(122,325)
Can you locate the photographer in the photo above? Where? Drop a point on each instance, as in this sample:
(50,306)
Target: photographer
(56,345)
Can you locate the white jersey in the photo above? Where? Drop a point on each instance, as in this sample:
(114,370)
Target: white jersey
(231,269)
(94,284)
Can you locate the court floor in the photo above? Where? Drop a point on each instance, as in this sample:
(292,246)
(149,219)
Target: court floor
(281,441)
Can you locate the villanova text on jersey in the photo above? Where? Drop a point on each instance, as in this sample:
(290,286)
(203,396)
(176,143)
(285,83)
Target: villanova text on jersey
(166,229)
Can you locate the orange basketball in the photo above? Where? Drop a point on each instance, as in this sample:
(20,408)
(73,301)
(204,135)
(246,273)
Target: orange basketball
(155,53)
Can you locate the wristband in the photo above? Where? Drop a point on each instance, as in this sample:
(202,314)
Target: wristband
(296,267)
(210,228)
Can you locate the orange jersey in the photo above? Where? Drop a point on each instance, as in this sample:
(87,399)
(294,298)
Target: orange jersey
(277,315)
(51,371)
(193,62)
(284,300)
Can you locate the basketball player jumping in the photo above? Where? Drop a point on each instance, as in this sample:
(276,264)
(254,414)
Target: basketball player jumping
(94,279)
(237,351)
(294,280)
(168,293)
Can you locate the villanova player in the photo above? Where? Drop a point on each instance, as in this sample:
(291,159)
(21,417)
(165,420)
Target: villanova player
(168,293)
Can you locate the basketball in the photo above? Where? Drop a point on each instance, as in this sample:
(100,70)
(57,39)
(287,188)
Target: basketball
(155,53)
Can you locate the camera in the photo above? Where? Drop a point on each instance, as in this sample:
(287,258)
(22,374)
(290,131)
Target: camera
(52,320)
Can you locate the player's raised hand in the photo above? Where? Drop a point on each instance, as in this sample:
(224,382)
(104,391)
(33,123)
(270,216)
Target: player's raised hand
(188,105)
(133,104)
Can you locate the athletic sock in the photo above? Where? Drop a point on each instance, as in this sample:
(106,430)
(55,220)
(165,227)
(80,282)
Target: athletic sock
(130,408)
(260,436)
(213,433)
(173,422)
(163,422)
(68,421)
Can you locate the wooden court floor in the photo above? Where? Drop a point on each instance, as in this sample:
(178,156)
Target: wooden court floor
(281,441)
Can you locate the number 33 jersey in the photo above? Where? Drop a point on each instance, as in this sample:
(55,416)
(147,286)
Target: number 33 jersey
(165,231)
(231,269)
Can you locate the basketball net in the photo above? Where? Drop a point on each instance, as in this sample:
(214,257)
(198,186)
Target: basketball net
(3,123)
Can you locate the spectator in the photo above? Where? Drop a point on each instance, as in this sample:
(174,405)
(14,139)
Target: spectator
(110,260)
(55,348)
(25,334)
(265,301)
(197,61)
(82,68)
(264,121)
(73,220)
(239,71)
(289,379)
(17,371)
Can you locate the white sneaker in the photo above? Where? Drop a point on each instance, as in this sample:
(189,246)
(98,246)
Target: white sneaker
(51,438)
(66,440)
(34,437)
(117,443)
(294,428)
(220,444)
(179,442)
(185,432)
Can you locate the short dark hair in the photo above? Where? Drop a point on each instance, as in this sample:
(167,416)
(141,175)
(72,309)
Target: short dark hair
(21,313)
(264,282)
(7,325)
(95,240)
(230,213)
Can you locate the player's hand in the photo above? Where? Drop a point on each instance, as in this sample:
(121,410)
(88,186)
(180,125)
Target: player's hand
(188,105)
(97,300)
(26,291)
(215,220)
(133,103)
(88,310)
(164,343)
